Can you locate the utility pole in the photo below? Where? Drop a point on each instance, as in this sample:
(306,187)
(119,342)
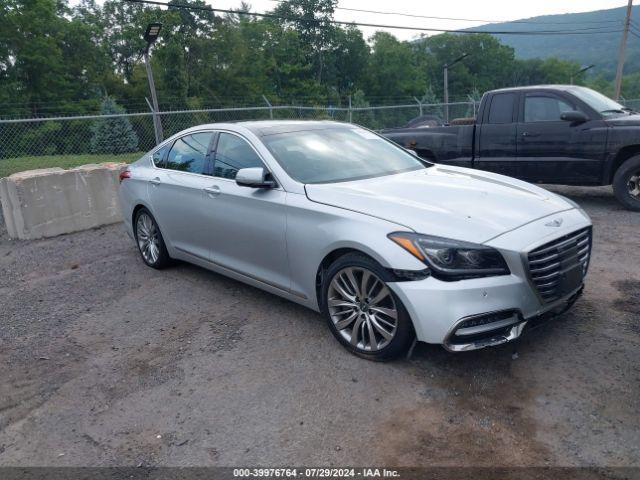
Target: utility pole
(266,100)
(446,92)
(157,126)
(445,72)
(621,53)
(151,35)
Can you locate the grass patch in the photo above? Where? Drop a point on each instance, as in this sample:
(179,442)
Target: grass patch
(20,164)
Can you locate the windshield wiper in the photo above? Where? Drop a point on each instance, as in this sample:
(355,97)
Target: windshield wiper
(614,110)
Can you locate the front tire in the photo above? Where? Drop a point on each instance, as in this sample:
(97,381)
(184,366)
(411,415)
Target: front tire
(626,183)
(363,313)
(149,240)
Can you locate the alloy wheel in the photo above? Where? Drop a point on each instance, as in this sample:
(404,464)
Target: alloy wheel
(148,240)
(362,309)
(634,185)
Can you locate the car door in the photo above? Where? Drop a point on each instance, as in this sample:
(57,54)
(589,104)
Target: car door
(178,197)
(496,135)
(551,150)
(248,225)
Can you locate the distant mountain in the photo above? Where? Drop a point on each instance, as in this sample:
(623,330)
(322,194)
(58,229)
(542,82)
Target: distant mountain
(598,49)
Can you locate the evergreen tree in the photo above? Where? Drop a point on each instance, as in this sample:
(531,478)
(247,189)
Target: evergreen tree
(365,118)
(430,98)
(113,135)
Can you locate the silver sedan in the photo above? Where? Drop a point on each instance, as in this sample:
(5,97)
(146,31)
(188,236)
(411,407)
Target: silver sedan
(389,248)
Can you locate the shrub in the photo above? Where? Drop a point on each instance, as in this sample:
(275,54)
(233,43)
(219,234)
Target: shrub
(113,135)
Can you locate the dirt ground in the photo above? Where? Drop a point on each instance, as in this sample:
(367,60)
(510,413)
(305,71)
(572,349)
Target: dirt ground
(107,362)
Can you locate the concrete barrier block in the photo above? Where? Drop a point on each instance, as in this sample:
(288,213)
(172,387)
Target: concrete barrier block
(49,202)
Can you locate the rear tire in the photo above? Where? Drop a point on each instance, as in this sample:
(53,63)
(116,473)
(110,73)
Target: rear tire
(626,183)
(149,240)
(363,313)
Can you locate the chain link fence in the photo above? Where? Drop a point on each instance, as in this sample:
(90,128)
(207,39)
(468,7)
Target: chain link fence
(634,103)
(26,144)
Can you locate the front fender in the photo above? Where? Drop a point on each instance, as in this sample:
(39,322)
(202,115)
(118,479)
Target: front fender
(316,230)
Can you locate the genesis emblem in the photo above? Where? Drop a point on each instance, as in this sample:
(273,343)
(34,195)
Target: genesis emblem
(554,223)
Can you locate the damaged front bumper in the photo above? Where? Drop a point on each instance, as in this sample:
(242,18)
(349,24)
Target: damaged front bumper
(495,328)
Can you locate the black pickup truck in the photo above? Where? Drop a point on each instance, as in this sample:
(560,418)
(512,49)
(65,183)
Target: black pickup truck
(560,134)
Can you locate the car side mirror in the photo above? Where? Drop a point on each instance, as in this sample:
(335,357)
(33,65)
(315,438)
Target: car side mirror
(256,177)
(574,116)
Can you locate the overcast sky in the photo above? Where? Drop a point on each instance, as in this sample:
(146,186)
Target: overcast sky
(493,10)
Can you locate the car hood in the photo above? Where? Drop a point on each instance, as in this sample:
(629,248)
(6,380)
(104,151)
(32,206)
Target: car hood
(452,202)
(624,121)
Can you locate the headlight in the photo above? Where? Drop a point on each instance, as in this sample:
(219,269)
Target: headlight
(452,259)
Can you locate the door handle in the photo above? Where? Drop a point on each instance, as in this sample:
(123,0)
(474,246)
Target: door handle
(529,134)
(155,181)
(213,191)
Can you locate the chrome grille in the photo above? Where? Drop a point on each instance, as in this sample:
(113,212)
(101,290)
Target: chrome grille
(551,263)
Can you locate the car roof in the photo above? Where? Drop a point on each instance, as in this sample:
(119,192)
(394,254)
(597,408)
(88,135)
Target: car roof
(536,87)
(272,127)
(262,128)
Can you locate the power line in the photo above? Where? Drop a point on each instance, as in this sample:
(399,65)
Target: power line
(634,29)
(585,31)
(577,30)
(400,14)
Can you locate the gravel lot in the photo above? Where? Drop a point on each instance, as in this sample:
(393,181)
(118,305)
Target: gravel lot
(107,362)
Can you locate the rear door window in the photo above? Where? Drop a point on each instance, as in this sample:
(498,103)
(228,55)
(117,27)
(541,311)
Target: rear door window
(501,109)
(189,153)
(159,155)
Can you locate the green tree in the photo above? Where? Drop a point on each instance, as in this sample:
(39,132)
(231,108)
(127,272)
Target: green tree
(347,63)
(538,72)
(312,22)
(392,70)
(55,59)
(32,54)
(113,135)
(488,65)
(430,98)
(365,118)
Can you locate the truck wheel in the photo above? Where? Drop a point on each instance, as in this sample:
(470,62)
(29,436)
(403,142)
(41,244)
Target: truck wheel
(626,183)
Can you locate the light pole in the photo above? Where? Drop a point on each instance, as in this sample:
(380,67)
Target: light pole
(582,70)
(151,35)
(445,71)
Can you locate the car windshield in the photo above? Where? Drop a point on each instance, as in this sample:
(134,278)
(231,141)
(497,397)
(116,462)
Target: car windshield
(338,155)
(598,102)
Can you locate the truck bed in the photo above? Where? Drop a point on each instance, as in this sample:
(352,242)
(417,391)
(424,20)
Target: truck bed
(451,144)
